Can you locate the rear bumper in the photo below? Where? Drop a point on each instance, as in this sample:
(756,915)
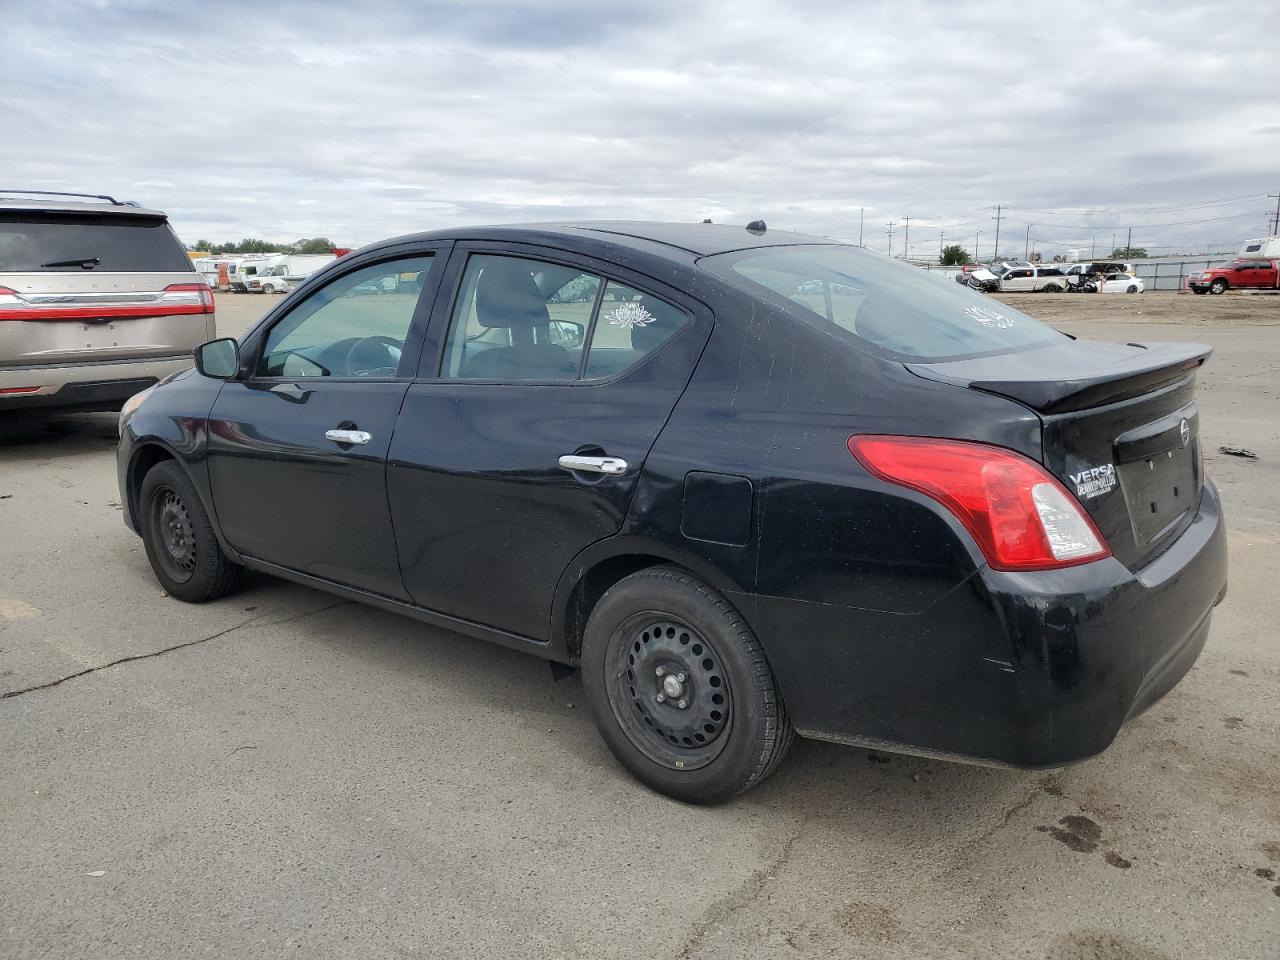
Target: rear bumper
(87,386)
(1025,670)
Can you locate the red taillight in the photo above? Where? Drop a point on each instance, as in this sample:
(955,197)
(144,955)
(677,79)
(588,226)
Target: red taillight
(1020,515)
(203,289)
(18,389)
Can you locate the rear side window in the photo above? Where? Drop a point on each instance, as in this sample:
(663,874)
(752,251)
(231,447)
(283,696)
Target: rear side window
(519,319)
(41,243)
(890,307)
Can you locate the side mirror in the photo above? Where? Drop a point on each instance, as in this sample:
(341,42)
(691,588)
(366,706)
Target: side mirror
(219,359)
(566,333)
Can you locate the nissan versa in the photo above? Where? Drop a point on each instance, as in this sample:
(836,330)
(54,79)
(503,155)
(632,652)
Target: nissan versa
(751,483)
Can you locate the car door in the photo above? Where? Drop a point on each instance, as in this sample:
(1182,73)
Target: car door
(298,443)
(522,442)
(1016,281)
(1267,275)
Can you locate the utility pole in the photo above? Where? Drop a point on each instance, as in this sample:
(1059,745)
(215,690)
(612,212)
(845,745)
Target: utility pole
(997,220)
(942,243)
(891,238)
(1026,254)
(861,214)
(1128,244)
(1113,244)
(1093,246)
(906,237)
(976,238)
(1275,224)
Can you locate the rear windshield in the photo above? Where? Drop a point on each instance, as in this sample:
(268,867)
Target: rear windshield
(892,308)
(35,243)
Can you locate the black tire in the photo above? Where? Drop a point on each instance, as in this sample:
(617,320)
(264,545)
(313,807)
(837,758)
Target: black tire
(654,627)
(1198,293)
(179,538)
(1052,288)
(1218,287)
(1133,288)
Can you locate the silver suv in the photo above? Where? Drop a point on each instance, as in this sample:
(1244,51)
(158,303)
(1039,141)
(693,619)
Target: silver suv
(98,300)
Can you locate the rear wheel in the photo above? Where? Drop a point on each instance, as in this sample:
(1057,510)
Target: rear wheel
(1218,287)
(1132,288)
(1052,288)
(680,688)
(179,537)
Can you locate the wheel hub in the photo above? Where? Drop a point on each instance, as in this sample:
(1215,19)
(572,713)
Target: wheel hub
(177,536)
(679,699)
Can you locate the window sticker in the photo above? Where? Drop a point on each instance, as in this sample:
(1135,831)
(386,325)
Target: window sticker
(629,315)
(988,317)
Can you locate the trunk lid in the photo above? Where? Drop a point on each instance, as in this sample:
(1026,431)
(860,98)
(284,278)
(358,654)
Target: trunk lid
(1120,429)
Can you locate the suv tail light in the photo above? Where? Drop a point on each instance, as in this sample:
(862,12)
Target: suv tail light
(1020,515)
(177,299)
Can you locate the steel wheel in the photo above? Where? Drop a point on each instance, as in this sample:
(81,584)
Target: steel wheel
(171,521)
(668,691)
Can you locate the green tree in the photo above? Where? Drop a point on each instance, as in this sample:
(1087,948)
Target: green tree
(202,246)
(953,255)
(314,245)
(1129,253)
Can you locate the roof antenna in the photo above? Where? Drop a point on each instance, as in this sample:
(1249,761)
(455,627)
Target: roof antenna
(757,227)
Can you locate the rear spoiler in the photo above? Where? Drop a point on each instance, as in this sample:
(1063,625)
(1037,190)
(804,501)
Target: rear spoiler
(1072,375)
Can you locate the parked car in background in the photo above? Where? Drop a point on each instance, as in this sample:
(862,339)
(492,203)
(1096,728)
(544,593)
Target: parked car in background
(1032,278)
(938,527)
(978,277)
(1119,283)
(207,268)
(98,300)
(1239,274)
(1078,273)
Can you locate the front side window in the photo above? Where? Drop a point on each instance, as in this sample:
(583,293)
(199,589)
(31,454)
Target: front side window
(874,302)
(354,326)
(519,319)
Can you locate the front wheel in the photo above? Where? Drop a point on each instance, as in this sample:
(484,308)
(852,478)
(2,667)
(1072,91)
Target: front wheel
(1218,287)
(680,688)
(179,537)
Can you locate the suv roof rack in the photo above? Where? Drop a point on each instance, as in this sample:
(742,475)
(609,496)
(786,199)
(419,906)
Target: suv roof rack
(56,193)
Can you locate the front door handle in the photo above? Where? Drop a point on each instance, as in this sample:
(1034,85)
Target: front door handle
(348,436)
(612,466)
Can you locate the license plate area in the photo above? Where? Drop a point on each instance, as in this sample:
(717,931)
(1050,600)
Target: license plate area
(1159,490)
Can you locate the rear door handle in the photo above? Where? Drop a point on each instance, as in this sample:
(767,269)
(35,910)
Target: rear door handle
(612,466)
(348,436)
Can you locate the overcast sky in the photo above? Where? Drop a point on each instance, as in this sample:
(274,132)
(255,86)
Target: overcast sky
(284,120)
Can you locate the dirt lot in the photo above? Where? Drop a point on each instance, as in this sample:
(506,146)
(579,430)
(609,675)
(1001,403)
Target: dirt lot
(1151,307)
(284,773)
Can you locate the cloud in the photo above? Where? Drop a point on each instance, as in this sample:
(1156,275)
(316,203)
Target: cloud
(360,121)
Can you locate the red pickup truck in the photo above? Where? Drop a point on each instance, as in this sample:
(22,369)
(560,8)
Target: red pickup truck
(1246,274)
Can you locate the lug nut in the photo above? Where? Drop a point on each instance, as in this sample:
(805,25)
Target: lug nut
(660,671)
(682,677)
(661,698)
(682,704)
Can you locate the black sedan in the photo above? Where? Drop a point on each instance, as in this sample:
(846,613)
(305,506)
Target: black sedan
(750,483)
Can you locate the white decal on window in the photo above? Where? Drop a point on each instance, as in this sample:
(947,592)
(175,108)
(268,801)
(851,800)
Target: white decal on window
(988,317)
(1094,482)
(628,315)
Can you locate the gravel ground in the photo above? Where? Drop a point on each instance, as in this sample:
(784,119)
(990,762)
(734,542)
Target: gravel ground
(283,773)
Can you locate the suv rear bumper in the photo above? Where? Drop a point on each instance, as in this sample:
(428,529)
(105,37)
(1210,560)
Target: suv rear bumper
(1013,669)
(86,386)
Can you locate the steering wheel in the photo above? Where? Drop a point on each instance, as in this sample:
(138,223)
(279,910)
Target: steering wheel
(373,357)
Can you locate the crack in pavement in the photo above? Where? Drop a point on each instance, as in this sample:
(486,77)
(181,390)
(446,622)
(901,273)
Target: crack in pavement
(176,646)
(745,895)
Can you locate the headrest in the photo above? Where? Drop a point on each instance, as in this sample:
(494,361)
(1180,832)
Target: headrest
(506,296)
